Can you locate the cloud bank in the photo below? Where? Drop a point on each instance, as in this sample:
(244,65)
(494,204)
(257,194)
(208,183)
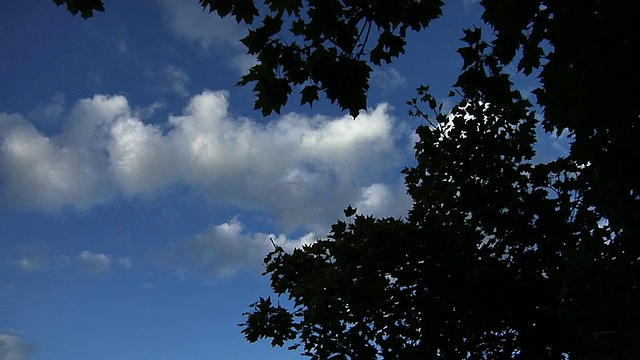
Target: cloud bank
(302,169)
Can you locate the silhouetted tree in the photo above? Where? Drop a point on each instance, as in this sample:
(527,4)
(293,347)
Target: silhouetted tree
(500,257)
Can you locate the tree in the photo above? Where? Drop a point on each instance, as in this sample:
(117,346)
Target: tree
(500,257)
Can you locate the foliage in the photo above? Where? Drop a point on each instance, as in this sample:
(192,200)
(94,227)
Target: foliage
(500,257)
(84,7)
(314,46)
(323,46)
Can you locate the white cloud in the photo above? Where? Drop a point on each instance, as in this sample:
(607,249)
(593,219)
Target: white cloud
(50,172)
(94,263)
(302,169)
(223,250)
(37,172)
(383,200)
(139,158)
(12,347)
(243,62)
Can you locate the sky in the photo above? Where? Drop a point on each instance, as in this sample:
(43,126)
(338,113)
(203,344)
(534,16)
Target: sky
(139,190)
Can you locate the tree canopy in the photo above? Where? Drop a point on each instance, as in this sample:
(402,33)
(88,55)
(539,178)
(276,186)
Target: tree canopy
(500,256)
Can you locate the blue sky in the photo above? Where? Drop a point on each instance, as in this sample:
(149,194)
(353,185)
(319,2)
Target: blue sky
(139,189)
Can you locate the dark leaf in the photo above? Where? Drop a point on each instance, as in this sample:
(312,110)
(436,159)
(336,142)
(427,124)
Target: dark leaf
(84,7)
(350,211)
(309,94)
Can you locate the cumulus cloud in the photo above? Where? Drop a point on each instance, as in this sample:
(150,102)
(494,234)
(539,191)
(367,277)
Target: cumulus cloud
(50,172)
(301,169)
(13,347)
(223,250)
(383,200)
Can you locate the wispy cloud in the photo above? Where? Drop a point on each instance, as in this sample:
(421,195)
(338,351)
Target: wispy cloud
(213,35)
(388,79)
(175,80)
(470,3)
(223,250)
(13,347)
(189,21)
(125,262)
(37,257)
(27,263)
(50,110)
(551,146)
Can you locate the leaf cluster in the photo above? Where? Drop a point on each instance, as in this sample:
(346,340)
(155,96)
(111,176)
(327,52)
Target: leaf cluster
(84,7)
(323,46)
(314,46)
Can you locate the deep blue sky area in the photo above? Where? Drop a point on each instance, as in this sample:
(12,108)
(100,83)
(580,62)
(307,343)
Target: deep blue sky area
(139,188)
